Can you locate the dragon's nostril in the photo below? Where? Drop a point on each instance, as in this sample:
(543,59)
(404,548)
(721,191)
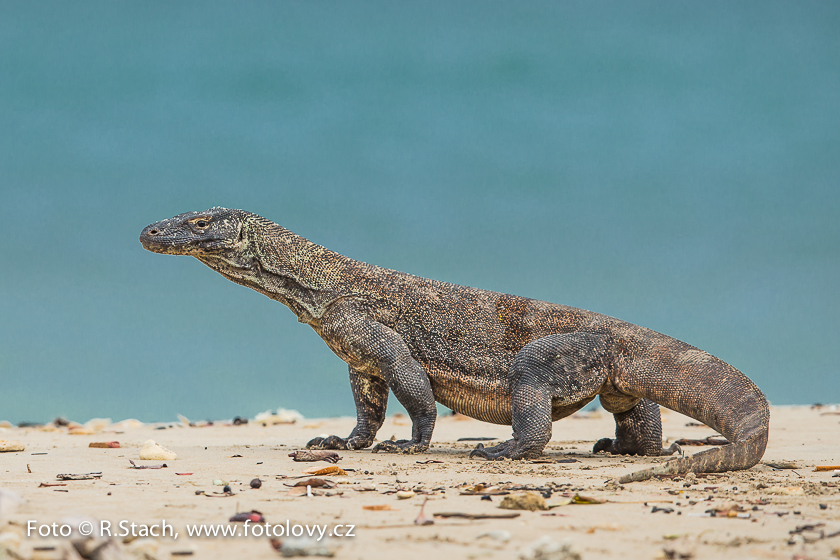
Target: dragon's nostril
(153,232)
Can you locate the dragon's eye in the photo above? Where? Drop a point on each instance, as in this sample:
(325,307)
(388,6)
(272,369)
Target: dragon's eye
(201,223)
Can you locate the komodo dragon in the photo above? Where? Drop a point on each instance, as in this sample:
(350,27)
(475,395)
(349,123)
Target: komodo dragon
(495,357)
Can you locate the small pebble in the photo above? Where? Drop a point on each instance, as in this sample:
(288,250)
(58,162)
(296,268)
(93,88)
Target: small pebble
(405,494)
(256,483)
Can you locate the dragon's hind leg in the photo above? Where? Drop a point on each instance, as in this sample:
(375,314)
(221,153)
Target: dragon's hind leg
(561,370)
(638,431)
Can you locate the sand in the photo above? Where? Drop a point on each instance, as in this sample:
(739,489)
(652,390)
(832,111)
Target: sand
(759,511)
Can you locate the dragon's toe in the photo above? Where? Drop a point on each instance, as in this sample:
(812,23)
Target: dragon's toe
(331,442)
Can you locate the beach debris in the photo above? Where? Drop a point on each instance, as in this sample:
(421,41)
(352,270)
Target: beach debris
(227,490)
(529,501)
(6,425)
(9,502)
(405,495)
(321,471)
(711,440)
(428,462)
(315,455)
(303,546)
(80,431)
(732,510)
(84,476)
(586,500)
(463,515)
(499,535)
(11,446)
(379,507)
(105,444)
(823,468)
(98,424)
(10,545)
(143,548)
(184,473)
(657,509)
(135,466)
(256,483)
(51,484)
(253,516)
(786,490)
(219,482)
(546,548)
(127,424)
(782,465)
(239,421)
(478,439)
(482,490)
(421,518)
(314,483)
(281,416)
(95,548)
(567,461)
(151,451)
(673,554)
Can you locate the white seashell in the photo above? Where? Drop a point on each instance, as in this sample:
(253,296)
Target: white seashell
(153,452)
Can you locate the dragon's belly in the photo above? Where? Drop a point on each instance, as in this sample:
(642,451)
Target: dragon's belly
(484,396)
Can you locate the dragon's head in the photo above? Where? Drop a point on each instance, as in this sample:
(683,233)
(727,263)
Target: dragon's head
(198,234)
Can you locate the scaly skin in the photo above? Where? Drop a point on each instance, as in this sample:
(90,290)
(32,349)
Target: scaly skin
(492,356)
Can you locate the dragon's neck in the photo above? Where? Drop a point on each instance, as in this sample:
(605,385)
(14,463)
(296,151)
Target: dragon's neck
(272,260)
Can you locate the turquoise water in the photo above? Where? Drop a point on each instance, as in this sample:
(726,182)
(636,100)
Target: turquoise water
(676,165)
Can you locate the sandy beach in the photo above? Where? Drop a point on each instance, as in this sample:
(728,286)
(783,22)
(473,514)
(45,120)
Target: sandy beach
(781,508)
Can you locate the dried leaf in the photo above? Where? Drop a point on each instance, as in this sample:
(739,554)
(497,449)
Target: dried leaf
(586,500)
(382,507)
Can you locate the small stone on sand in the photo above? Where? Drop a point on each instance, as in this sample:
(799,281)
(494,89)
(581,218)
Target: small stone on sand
(11,446)
(525,500)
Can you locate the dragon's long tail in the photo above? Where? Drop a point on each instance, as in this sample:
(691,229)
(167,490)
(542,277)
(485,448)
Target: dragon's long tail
(735,456)
(707,389)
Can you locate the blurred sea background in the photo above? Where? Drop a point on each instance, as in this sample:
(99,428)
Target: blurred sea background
(676,165)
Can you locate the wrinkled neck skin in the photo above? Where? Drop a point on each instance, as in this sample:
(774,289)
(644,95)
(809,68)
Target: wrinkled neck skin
(283,266)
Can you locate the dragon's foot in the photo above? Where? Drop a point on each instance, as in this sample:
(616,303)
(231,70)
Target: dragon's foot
(335,442)
(509,449)
(615,447)
(407,446)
